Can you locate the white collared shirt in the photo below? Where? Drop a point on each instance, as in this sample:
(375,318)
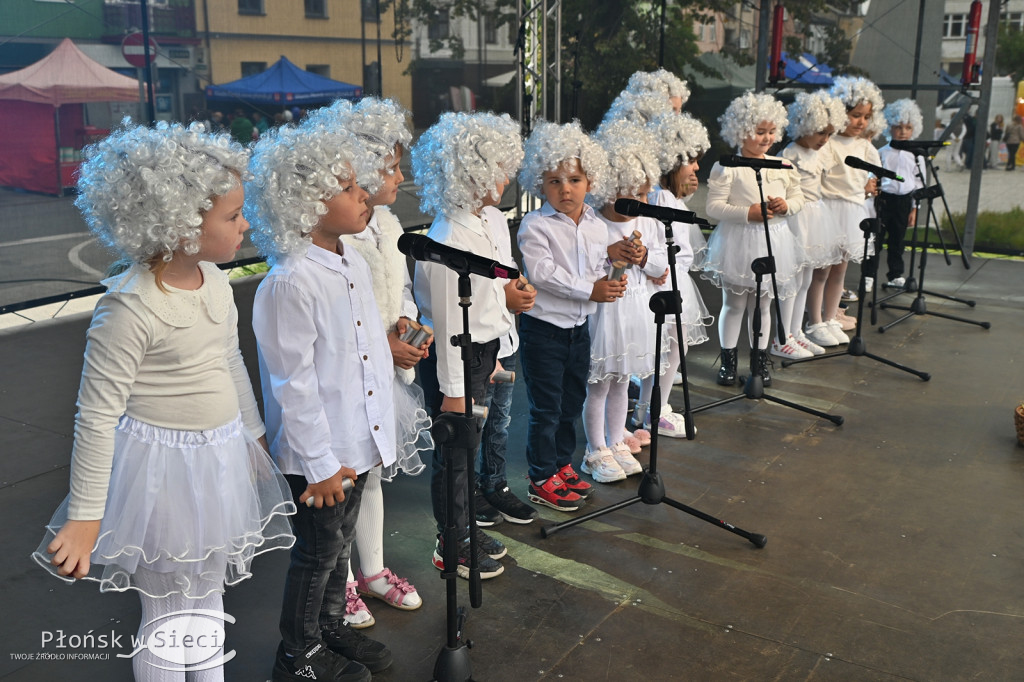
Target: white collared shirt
(503,240)
(902,163)
(563,260)
(325,365)
(436,288)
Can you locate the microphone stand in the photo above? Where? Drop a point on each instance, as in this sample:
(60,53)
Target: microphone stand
(857,347)
(652,488)
(459,436)
(753,386)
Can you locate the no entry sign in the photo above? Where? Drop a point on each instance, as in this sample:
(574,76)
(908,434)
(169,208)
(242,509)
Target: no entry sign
(133,51)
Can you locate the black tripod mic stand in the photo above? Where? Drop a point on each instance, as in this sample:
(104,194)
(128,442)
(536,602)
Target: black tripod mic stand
(652,488)
(857,347)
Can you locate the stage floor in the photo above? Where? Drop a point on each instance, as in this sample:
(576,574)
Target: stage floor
(894,541)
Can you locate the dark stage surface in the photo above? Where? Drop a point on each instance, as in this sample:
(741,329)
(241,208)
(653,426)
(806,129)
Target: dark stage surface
(894,541)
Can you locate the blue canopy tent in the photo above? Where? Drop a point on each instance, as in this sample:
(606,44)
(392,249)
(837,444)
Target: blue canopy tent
(805,68)
(285,84)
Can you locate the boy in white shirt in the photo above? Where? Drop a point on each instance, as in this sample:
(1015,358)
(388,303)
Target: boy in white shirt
(564,246)
(462,164)
(894,204)
(325,367)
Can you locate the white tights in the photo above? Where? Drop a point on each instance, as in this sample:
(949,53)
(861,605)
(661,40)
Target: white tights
(604,412)
(369,539)
(674,360)
(731,318)
(793,308)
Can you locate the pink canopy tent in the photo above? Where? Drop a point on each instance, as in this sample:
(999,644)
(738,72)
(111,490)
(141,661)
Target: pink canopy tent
(42,111)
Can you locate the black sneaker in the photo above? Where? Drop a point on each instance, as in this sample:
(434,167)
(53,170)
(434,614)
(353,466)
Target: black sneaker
(492,547)
(509,506)
(357,647)
(489,568)
(317,662)
(486,515)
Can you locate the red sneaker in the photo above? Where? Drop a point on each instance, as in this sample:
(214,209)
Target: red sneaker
(573,481)
(554,494)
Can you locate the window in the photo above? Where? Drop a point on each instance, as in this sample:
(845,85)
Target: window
(437,29)
(1014,20)
(316,9)
(954,26)
(490,29)
(250,7)
(319,69)
(370,10)
(253,68)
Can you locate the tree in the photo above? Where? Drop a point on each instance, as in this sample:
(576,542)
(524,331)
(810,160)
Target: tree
(1010,51)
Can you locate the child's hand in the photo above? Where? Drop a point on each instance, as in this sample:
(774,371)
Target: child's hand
(519,300)
(913,217)
(871,189)
(402,354)
(631,252)
(453,405)
(658,281)
(72,547)
(606,291)
(328,491)
(754,213)
(497,368)
(777,205)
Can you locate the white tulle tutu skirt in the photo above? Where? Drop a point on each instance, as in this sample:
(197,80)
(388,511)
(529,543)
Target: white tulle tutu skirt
(818,234)
(622,335)
(700,247)
(733,246)
(412,431)
(195,506)
(694,314)
(848,216)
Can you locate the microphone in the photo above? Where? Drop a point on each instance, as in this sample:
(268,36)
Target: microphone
(419,247)
(632,207)
(737,161)
(918,147)
(854,162)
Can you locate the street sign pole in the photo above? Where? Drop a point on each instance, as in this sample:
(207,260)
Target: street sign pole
(148,68)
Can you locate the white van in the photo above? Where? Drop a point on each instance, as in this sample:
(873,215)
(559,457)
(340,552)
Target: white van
(1004,97)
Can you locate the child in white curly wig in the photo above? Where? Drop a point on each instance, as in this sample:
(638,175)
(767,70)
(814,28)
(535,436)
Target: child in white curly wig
(682,142)
(327,373)
(463,164)
(750,124)
(844,190)
(895,204)
(162,365)
(621,334)
(380,125)
(813,118)
(663,83)
(639,108)
(564,246)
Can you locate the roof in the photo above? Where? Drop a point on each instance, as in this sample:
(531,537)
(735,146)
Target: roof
(284,83)
(67,76)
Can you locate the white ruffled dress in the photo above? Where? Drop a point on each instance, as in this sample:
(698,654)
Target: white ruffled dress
(814,226)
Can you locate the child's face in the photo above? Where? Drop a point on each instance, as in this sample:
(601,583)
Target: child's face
(902,131)
(684,180)
(857,120)
(816,140)
(677,104)
(566,187)
(392,176)
(223,228)
(758,144)
(347,212)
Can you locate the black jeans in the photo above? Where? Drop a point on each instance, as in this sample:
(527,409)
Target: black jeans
(894,212)
(314,587)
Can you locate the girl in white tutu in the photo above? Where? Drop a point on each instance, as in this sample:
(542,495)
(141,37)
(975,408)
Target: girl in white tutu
(844,190)
(622,333)
(813,118)
(172,490)
(380,125)
(683,141)
(750,124)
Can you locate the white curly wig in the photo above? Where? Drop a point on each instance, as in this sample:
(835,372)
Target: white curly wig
(295,170)
(637,107)
(679,138)
(854,90)
(904,111)
(550,145)
(660,82)
(813,112)
(632,161)
(143,191)
(744,113)
(462,158)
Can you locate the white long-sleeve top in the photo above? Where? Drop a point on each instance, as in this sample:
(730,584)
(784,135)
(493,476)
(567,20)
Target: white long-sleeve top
(503,239)
(680,231)
(732,191)
(842,181)
(810,169)
(563,260)
(325,365)
(436,288)
(902,163)
(169,359)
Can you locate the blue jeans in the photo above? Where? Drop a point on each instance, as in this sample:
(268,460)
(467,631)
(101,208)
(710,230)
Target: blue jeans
(555,364)
(314,587)
(494,440)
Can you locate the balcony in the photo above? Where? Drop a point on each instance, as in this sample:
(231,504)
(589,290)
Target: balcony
(168,19)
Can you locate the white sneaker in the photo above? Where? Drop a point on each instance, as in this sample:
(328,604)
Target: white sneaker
(836,330)
(807,344)
(625,459)
(898,283)
(821,334)
(601,465)
(672,425)
(869,284)
(791,349)
(677,380)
